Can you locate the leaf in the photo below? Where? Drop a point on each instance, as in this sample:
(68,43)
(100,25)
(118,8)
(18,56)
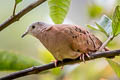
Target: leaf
(116,21)
(58,10)
(18,1)
(12,61)
(93,28)
(46,57)
(115,66)
(118,2)
(94,10)
(101,29)
(106,23)
(56,71)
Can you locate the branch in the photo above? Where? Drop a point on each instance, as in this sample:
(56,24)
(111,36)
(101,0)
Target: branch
(20,14)
(37,69)
(110,38)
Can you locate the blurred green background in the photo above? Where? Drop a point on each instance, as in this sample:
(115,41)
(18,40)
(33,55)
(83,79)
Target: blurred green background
(82,12)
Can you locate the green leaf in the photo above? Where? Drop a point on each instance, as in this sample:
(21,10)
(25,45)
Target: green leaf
(118,2)
(94,10)
(58,10)
(18,1)
(93,28)
(56,71)
(115,66)
(105,25)
(45,56)
(116,21)
(101,28)
(12,61)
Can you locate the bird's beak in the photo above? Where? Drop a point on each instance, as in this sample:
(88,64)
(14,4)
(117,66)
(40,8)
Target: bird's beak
(24,34)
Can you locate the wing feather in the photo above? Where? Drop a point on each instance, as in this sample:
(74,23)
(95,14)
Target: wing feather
(80,39)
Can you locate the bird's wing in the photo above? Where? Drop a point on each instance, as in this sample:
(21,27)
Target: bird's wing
(80,39)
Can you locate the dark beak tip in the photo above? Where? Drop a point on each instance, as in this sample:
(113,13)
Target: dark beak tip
(24,35)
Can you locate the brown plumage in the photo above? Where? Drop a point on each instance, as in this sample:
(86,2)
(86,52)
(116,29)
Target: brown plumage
(65,40)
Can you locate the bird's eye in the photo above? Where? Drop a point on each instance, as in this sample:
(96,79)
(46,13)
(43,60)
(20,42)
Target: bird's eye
(33,27)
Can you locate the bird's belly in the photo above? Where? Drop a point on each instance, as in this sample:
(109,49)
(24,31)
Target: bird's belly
(64,53)
(61,50)
(59,46)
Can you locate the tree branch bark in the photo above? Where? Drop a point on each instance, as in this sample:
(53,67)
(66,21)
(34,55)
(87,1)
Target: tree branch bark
(37,69)
(16,17)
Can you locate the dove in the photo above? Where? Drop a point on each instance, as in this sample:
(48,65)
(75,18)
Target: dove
(65,41)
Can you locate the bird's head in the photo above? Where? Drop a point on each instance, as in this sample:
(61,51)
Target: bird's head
(35,28)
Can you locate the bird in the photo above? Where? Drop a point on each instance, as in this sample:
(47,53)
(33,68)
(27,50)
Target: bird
(65,41)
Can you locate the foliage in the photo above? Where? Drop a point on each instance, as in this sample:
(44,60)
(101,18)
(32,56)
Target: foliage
(46,57)
(116,21)
(12,61)
(115,66)
(103,25)
(118,2)
(110,28)
(58,10)
(94,10)
(18,1)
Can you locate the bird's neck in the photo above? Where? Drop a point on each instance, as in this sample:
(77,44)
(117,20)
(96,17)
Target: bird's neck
(43,39)
(41,35)
(45,26)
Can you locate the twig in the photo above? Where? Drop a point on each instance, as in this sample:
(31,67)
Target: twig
(106,42)
(14,9)
(20,14)
(37,69)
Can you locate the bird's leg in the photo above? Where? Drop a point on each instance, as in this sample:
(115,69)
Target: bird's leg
(87,54)
(82,56)
(55,62)
(62,67)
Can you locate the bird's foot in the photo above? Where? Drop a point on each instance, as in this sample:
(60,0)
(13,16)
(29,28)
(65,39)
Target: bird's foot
(62,67)
(82,56)
(55,62)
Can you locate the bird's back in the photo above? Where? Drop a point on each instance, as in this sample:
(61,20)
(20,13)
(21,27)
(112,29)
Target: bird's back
(79,38)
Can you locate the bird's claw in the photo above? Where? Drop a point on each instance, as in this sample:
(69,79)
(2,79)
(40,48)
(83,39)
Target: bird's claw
(55,62)
(82,56)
